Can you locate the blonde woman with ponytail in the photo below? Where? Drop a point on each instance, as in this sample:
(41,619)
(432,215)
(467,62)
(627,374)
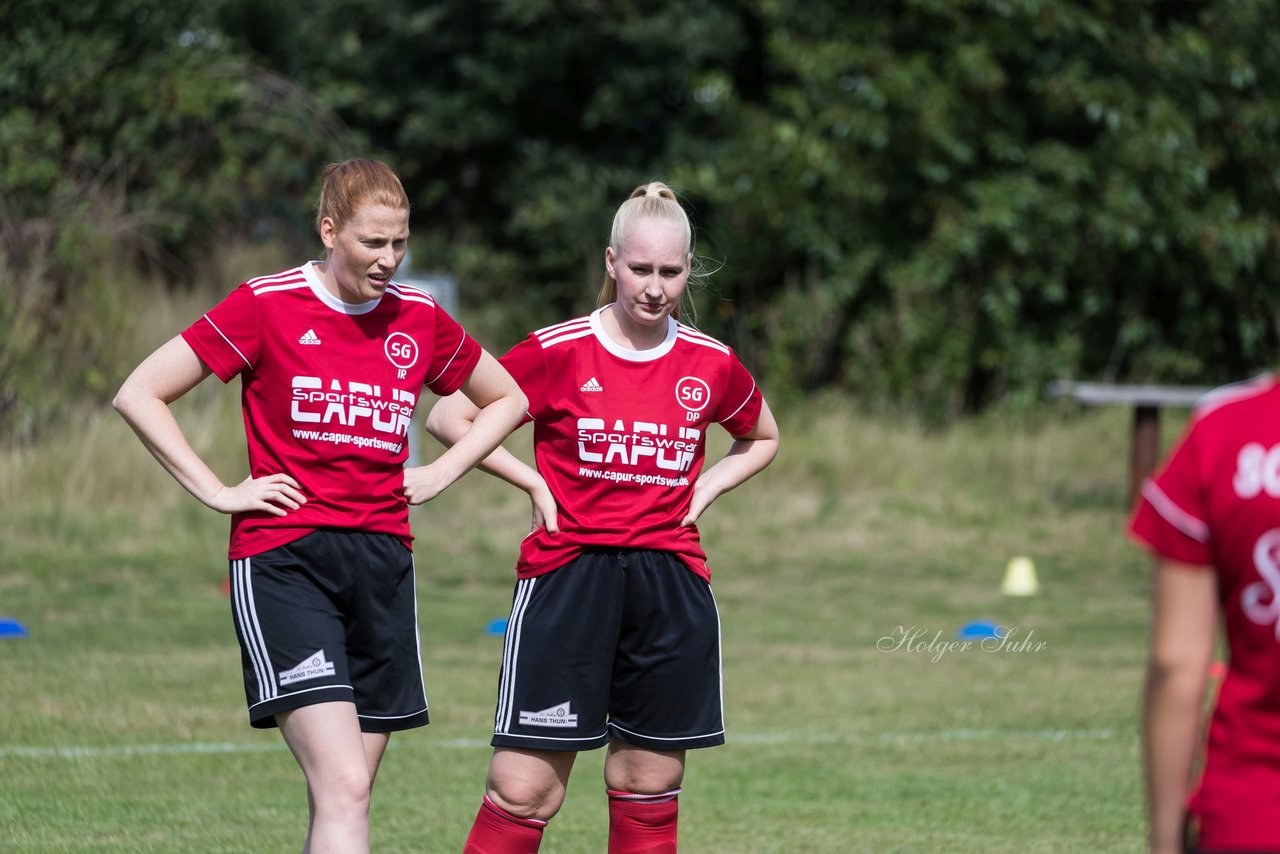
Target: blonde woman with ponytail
(614,636)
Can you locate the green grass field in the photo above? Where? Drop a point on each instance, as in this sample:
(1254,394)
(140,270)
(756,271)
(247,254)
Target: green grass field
(122,723)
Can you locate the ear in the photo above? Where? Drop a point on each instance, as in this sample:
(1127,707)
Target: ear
(328,232)
(609,258)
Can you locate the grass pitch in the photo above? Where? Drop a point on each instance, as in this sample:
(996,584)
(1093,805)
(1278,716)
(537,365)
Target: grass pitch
(843,573)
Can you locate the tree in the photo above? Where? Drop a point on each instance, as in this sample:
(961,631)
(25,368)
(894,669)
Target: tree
(931,204)
(964,199)
(131,132)
(517,125)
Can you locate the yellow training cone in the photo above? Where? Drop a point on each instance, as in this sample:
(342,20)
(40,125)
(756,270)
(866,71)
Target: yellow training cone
(1020,578)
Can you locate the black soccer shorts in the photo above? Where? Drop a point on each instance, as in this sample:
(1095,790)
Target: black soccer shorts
(331,617)
(617,643)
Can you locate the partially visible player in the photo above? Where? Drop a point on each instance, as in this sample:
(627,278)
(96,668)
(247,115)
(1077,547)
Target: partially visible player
(332,357)
(614,636)
(1211,517)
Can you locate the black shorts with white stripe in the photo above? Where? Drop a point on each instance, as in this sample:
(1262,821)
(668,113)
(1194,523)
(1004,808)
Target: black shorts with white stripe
(621,643)
(331,617)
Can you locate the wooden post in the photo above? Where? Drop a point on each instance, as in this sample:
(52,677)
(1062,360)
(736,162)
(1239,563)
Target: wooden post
(1146,447)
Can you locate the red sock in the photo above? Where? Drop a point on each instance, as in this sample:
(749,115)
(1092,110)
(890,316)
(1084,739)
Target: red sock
(642,824)
(497,831)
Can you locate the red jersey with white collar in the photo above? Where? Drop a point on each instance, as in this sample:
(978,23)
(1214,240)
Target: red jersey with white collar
(1216,504)
(328,389)
(620,435)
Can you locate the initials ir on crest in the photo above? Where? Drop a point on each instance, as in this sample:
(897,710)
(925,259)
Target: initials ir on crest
(401,351)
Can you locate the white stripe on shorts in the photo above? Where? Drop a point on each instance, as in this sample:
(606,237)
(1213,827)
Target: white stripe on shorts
(507,687)
(417,632)
(247,616)
(719,650)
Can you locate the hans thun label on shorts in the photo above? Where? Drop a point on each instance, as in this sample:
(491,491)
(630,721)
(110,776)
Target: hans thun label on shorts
(312,667)
(556,716)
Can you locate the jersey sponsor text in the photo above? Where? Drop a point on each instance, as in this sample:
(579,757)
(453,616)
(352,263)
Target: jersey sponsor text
(1261,599)
(313,404)
(632,477)
(347,439)
(645,439)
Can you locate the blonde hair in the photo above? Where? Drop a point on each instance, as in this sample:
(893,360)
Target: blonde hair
(654,200)
(354,183)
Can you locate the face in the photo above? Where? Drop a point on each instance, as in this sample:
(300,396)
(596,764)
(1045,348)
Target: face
(651,270)
(364,253)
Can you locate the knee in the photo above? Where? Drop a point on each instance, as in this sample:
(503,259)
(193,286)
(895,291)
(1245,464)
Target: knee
(645,772)
(345,791)
(651,783)
(530,799)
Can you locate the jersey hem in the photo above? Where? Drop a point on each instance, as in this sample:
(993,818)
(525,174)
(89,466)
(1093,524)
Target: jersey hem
(261,544)
(530,570)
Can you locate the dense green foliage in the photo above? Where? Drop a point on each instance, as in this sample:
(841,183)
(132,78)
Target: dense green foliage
(130,134)
(947,202)
(933,204)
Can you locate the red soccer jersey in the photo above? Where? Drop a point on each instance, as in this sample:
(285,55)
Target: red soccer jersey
(1216,503)
(328,390)
(620,435)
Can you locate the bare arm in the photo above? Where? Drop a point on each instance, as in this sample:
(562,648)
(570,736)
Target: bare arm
(451,419)
(747,457)
(495,406)
(163,377)
(1183,627)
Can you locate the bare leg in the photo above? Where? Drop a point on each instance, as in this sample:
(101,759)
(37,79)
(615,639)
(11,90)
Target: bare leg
(529,783)
(628,768)
(375,745)
(643,788)
(525,788)
(339,763)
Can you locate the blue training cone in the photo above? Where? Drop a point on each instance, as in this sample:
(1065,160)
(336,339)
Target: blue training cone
(497,627)
(977,630)
(10,628)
